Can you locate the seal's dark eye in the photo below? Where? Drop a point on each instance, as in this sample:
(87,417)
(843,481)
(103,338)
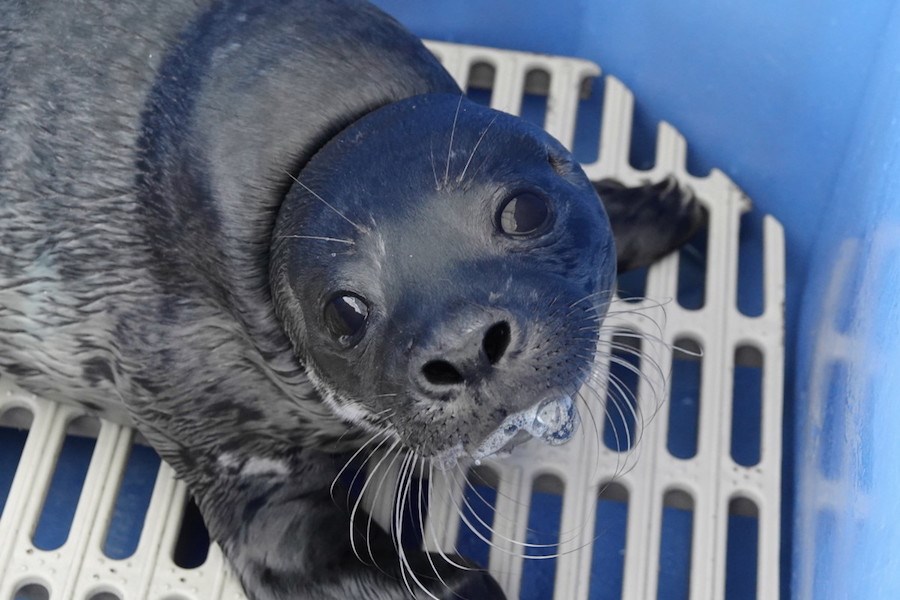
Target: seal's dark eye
(524,214)
(345,316)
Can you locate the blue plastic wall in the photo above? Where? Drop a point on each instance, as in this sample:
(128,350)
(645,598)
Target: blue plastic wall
(849,406)
(799,102)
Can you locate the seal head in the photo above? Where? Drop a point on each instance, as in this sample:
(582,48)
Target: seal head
(442,270)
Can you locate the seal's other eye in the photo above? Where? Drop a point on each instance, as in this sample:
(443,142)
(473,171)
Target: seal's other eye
(524,214)
(345,316)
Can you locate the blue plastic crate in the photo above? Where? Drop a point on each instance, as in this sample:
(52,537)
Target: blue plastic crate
(800,105)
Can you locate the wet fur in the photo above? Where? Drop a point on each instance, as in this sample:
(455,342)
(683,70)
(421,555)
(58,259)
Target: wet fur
(114,295)
(138,194)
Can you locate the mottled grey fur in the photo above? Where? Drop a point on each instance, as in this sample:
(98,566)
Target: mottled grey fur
(90,314)
(144,152)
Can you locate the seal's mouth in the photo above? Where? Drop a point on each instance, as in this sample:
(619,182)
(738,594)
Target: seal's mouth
(554,421)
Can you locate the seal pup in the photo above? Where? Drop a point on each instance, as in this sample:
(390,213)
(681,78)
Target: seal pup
(267,233)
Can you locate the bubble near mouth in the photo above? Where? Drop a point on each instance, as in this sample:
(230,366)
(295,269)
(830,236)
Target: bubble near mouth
(554,421)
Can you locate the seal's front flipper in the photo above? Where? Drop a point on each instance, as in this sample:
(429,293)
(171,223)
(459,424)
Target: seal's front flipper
(453,577)
(650,220)
(287,533)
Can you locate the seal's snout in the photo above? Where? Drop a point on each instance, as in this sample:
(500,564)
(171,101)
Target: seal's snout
(464,355)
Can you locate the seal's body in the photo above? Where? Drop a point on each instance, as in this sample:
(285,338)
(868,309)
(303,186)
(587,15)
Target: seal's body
(263,232)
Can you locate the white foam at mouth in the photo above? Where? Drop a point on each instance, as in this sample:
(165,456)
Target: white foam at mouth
(554,421)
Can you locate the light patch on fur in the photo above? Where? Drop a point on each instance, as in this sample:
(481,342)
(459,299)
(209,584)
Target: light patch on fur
(228,461)
(353,412)
(348,410)
(256,466)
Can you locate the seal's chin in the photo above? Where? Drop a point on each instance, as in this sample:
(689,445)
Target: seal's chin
(554,421)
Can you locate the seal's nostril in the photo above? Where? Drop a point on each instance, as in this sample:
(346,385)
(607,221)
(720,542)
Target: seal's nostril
(496,341)
(440,372)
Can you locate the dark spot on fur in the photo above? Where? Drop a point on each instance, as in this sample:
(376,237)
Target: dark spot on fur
(148,385)
(186,458)
(229,409)
(167,309)
(97,369)
(267,577)
(21,371)
(303,496)
(252,507)
(231,445)
(249,413)
(92,407)
(219,406)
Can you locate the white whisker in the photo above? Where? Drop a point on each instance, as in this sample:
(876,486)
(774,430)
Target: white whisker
(318,237)
(359,228)
(450,147)
(356,505)
(474,150)
(437,184)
